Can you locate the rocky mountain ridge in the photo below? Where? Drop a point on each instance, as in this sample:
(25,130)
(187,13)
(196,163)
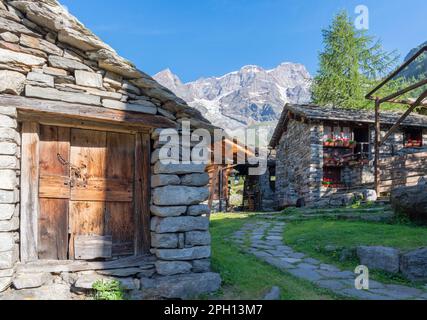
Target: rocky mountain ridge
(251,96)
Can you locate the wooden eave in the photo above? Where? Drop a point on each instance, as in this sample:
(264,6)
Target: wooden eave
(46,109)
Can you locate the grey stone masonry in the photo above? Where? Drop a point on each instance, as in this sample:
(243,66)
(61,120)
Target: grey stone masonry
(9,206)
(300,165)
(294,160)
(180,236)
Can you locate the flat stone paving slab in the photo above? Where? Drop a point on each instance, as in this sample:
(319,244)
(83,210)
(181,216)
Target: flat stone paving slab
(270,248)
(362,294)
(328,267)
(284,248)
(337,274)
(296,255)
(278,263)
(274,238)
(334,285)
(291,260)
(306,274)
(399,292)
(312,261)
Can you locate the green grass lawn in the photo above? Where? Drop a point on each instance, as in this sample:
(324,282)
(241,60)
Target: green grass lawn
(312,236)
(312,233)
(246,277)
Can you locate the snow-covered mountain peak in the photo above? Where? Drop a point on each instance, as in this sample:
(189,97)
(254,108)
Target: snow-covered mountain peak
(240,98)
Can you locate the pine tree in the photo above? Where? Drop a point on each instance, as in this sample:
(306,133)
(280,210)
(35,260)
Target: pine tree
(350,65)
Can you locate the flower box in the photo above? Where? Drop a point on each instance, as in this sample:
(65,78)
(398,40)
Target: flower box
(339,143)
(328,143)
(413,144)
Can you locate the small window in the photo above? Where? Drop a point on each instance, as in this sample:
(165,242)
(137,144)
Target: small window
(413,138)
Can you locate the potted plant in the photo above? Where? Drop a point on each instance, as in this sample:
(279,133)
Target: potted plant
(352,144)
(329,143)
(339,143)
(327,182)
(346,143)
(416,143)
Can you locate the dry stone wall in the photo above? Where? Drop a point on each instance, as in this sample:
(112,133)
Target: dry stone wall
(9,195)
(179,227)
(294,160)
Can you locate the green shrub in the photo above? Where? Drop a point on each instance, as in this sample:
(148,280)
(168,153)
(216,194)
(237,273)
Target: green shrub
(108,290)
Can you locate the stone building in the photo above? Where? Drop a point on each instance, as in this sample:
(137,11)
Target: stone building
(83,195)
(324,156)
(258,190)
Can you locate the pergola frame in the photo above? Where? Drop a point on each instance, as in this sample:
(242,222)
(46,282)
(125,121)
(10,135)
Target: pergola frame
(394,98)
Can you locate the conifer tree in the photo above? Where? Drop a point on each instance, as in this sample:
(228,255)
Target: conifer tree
(350,65)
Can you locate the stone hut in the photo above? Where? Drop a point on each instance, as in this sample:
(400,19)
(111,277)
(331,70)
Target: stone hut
(83,195)
(324,156)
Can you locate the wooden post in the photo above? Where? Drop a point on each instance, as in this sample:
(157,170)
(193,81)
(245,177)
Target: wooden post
(377,146)
(212,188)
(142,193)
(29,191)
(220,188)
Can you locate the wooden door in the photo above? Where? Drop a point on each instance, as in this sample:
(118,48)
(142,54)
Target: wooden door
(87,187)
(54,192)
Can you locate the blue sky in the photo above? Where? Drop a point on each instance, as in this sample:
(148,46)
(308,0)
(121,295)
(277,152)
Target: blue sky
(201,38)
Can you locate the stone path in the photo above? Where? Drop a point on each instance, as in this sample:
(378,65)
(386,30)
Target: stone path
(264,239)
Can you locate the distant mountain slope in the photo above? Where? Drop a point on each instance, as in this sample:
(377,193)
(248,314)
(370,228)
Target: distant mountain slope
(418,68)
(243,98)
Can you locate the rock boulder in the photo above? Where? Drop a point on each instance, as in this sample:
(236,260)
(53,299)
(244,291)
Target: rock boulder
(413,265)
(379,258)
(184,286)
(411,201)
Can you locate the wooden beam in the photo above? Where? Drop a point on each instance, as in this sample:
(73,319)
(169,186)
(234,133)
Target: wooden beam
(29,191)
(212,187)
(86,112)
(377,146)
(146,192)
(396,72)
(60,121)
(394,95)
(404,116)
(409,157)
(57,266)
(91,247)
(142,193)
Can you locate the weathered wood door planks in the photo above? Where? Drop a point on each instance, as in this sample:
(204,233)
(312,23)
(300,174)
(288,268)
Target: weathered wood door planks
(54,192)
(94,184)
(29,191)
(120,214)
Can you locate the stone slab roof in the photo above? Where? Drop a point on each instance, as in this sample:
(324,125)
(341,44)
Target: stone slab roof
(50,15)
(317,113)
